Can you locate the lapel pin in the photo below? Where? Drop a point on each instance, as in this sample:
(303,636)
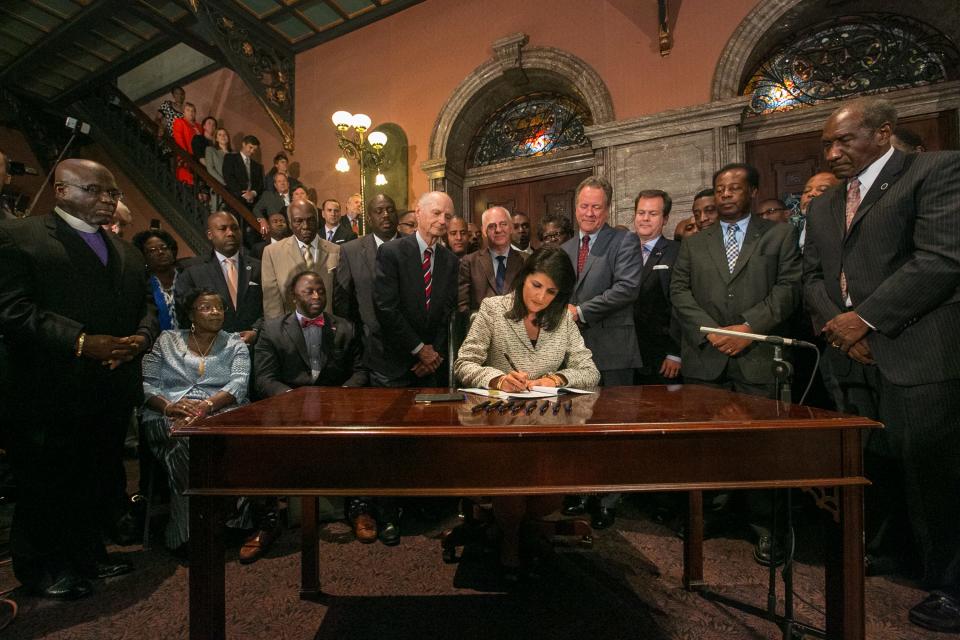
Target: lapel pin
(249,267)
(884,186)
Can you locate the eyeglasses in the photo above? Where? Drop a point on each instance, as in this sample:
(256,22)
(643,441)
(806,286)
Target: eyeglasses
(209,308)
(556,235)
(95,190)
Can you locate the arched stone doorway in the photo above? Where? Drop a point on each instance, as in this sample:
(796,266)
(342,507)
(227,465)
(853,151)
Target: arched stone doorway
(514,70)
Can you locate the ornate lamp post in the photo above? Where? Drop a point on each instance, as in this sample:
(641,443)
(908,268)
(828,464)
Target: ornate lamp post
(367,152)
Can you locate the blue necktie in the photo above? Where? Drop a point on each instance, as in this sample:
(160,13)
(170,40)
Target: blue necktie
(501,272)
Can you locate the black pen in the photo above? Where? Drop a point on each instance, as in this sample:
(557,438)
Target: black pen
(544,407)
(531,407)
(556,407)
(517,406)
(568,407)
(492,406)
(477,408)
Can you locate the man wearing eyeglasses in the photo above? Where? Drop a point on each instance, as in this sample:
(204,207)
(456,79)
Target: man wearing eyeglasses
(76,315)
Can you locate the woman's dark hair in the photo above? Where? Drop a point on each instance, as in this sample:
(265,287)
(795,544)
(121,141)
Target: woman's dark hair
(185,308)
(140,240)
(553,262)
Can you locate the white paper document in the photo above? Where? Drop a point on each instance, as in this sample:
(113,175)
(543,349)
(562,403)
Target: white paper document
(535,392)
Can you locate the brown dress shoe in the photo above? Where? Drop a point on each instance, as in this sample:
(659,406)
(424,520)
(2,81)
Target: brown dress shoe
(364,527)
(257,545)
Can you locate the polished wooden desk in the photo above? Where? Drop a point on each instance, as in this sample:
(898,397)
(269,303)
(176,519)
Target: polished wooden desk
(334,441)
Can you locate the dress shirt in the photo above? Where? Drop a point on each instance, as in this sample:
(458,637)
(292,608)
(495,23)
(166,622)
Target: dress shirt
(75,223)
(313,335)
(493,258)
(741,233)
(235,259)
(314,248)
(379,242)
(286,198)
(329,232)
(529,249)
(246,164)
(593,240)
(649,246)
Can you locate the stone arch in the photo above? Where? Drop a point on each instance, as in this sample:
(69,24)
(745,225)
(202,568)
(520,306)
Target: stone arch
(773,21)
(513,70)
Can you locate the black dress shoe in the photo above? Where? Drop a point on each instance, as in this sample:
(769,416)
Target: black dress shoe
(603,518)
(68,587)
(574,505)
(939,612)
(766,554)
(112,569)
(389,533)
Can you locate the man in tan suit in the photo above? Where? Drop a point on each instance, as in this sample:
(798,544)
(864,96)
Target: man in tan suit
(491,272)
(305,249)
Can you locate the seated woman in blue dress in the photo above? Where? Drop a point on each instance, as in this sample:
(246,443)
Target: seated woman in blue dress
(189,374)
(519,340)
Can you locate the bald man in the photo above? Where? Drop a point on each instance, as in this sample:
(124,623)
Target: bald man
(414,293)
(76,314)
(490,272)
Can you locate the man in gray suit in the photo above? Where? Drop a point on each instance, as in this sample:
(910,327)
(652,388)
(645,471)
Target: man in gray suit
(743,274)
(608,264)
(882,283)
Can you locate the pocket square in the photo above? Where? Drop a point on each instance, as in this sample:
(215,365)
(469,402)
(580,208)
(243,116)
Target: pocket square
(253,284)
(660,266)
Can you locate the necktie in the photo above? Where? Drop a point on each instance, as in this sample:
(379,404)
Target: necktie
(501,272)
(733,251)
(96,242)
(231,280)
(308,256)
(355,226)
(853,203)
(246,165)
(315,322)
(427,276)
(646,254)
(584,251)
(329,235)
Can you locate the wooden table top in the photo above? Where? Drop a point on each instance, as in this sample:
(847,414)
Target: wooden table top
(332,411)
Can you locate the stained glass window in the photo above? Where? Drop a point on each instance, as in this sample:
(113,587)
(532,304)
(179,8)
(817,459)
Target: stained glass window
(851,56)
(529,126)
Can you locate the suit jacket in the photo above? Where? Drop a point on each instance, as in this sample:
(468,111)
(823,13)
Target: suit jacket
(900,258)
(400,302)
(282,363)
(281,261)
(208,274)
(235,175)
(763,290)
(478,280)
(353,296)
(483,355)
(269,202)
(340,235)
(605,292)
(652,312)
(52,288)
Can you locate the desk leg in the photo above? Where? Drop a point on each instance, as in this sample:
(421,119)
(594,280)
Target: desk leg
(207,572)
(844,568)
(693,542)
(310,549)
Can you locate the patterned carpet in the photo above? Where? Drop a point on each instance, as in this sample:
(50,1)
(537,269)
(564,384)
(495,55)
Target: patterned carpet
(627,586)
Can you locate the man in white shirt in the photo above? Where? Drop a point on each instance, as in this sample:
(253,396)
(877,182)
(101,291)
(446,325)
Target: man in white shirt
(332,230)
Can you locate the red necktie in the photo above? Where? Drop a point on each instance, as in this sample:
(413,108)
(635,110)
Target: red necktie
(316,322)
(427,276)
(584,251)
(355,226)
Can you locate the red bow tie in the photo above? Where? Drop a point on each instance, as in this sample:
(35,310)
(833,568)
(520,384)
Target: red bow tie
(317,322)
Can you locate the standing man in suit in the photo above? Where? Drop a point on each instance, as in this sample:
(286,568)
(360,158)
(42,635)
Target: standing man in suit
(608,266)
(652,312)
(457,236)
(275,200)
(304,250)
(882,283)
(243,177)
(491,272)
(76,315)
(353,297)
(353,216)
(231,273)
(414,293)
(332,230)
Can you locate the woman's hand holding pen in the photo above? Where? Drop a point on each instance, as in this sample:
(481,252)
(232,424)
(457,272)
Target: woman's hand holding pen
(513,381)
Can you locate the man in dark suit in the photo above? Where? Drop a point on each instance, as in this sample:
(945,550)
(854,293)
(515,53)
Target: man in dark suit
(491,272)
(307,347)
(608,265)
(231,273)
(353,297)
(75,313)
(332,230)
(243,177)
(275,200)
(652,312)
(882,283)
(414,293)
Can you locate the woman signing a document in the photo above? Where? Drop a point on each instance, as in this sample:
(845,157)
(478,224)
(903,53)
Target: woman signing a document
(524,339)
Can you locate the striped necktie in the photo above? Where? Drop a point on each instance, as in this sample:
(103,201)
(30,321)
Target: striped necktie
(733,250)
(427,276)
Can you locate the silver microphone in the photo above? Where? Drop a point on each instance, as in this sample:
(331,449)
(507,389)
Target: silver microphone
(757,337)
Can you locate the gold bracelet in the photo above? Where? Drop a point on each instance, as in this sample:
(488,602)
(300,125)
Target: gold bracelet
(80,341)
(557,379)
(500,383)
